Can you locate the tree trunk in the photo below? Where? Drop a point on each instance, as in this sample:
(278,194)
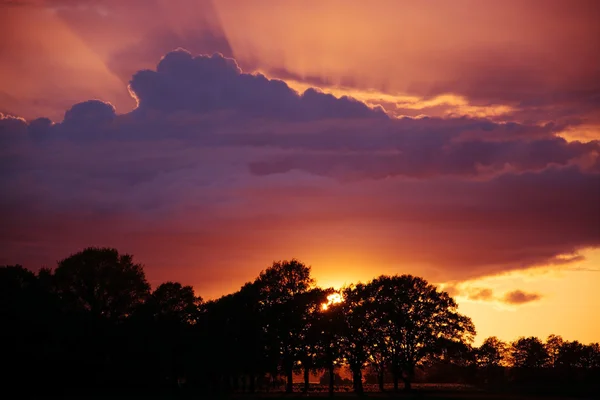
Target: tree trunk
(331,379)
(408,377)
(289,388)
(273,380)
(407,384)
(380,378)
(306,378)
(396,377)
(357,380)
(252,387)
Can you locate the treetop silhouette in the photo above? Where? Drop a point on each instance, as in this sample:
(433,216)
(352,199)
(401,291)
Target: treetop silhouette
(93,322)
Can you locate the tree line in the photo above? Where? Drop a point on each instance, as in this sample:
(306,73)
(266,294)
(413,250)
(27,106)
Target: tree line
(94,322)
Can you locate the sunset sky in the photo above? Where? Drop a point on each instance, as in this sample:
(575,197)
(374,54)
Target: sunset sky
(454,140)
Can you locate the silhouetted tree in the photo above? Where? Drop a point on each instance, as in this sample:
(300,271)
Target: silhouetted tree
(283,280)
(490,358)
(591,357)
(570,355)
(102,282)
(93,323)
(38,339)
(553,345)
(456,362)
(331,328)
(359,334)
(278,285)
(253,357)
(419,318)
(225,328)
(172,301)
(21,319)
(165,321)
(310,303)
(458,353)
(98,289)
(528,352)
(17,287)
(491,353)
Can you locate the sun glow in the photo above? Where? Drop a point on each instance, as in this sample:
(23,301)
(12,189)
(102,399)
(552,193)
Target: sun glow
(334,298)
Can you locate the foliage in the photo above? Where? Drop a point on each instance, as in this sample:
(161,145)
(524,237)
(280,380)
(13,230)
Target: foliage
(491,353)
(94,323)
(528,352)
(101,281)
(415,321)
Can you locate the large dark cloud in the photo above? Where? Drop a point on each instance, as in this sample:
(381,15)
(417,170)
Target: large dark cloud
(204,84)
(432,155)
(218,171)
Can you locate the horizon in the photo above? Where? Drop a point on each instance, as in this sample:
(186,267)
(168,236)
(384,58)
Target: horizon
(467,295)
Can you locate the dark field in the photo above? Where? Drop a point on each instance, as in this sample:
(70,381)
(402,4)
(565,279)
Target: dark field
(420,391)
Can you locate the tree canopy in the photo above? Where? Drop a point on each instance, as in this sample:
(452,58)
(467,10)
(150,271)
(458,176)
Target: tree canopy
(94,321)
(101,281)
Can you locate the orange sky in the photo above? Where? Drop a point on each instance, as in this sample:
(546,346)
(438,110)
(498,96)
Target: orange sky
(515,217)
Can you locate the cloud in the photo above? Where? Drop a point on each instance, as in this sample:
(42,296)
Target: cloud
(504,54)
(108,41)
(435,153)
(518,297)
(90,113)
(484,294)
(12,129)
(219,172)
(465,291)
(205,84)
(505,61)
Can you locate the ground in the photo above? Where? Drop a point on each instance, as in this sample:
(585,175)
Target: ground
(421,391)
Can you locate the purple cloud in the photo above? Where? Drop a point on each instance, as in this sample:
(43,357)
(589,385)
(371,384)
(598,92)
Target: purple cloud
(91,113)
(205,84)
(218,170)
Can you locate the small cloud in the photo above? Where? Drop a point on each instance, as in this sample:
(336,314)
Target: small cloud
(517,297)
(470,293)
(484,294)
(451,289)
(465,292)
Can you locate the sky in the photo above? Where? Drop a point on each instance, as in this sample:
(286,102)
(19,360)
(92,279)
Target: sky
(457,141)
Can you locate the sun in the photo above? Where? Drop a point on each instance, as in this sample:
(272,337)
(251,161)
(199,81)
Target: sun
(333,298)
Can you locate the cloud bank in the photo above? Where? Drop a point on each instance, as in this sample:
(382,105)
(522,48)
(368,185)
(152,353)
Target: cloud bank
(217,172)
